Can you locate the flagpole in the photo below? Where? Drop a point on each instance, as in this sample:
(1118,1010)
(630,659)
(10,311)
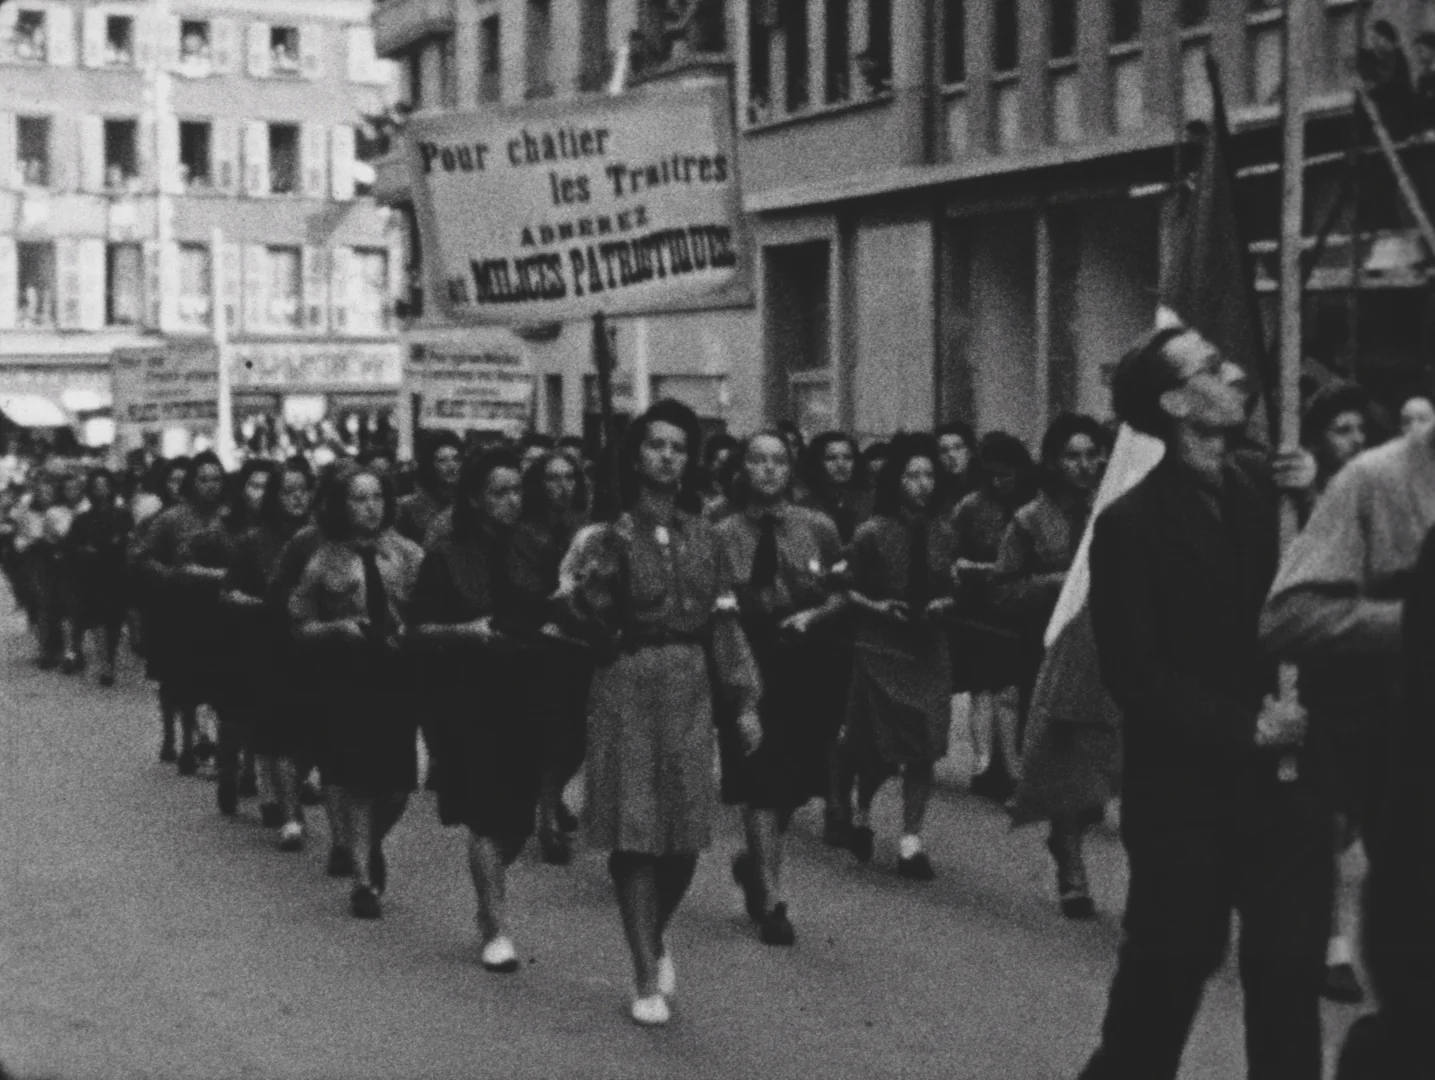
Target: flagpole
(1297,40)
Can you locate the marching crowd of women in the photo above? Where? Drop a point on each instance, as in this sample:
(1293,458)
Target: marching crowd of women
(806,612)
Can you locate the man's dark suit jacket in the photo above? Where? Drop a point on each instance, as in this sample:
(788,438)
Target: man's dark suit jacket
(1176,595)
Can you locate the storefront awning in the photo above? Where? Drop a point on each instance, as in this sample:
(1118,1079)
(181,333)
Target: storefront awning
(32,411)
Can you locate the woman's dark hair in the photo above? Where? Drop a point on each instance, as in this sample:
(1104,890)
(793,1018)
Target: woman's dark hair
(1384,28)
(1326,405)
(739,490)
(684,419)
(1142,375)
(715,445)
(191,473)
(535,494)
(99,472)
(271,511)
(887,496)
(958,427)
(159,471)
(436,441)
(1059,434)
(333,514)
(240,519)
(997,450)
(813,468)
(472,480)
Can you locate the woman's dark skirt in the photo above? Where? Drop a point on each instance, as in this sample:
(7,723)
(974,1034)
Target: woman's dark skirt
(103,593)
(559,695)
(367,717)
(490,742)
(986,657)
(804,697)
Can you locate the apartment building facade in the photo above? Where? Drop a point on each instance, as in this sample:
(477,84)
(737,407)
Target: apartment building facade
(135,136)
(960,205)
(477,54)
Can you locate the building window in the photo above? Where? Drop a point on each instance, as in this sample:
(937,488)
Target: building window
(33,147)
(121,153)
(1063,29)
(194,154)
(1125,21)
(283,159)
(195,286)
(284,50)
(29,40)
(795,50)
(759,55)
(799,316)
(1192,13)
(194,43)
(369,304)
(35,284)
(119,41)
(124,285)
(540,49)
(1005,52)
(837,52)
(954,41)
(595,58)
(414,78)
(283,289)
(876,62)
(490,61)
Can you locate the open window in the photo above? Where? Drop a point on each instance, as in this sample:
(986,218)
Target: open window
(195,155)
(33,150)
(30,41)
(284,159)
(35,284)
(284,50)
(194,285)
(124,285)
(284,288)
(119,41)
(122,168)
(194,44)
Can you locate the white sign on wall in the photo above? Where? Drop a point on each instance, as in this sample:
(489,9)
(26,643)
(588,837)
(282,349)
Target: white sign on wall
(164,387)
(484,388)
(552,211)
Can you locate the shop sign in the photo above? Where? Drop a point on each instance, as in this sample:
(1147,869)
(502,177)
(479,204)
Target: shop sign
(482,389)
(162,387)
(552,211)
(300,366)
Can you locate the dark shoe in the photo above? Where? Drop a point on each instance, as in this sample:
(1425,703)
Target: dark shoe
(248,786)
(364,903)
(341,862)
(567,820)
(271,815)
(71,665)
(776,929)
(309,795)
(48,663)
(204,748)
(1078,906)
(555,848)
(744,872)
(167,754)
(228,796)
(917,868)
(994,784)
(378,869)
(863,841)
(107,678)
(291,837)
(1341,985)
(187,764)
(836,831)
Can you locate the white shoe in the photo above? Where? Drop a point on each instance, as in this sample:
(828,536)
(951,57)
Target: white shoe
(651,1011)
(667,976)
(291,836)
(500,956)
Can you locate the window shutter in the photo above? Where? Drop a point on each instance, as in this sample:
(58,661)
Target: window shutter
(9,283)
(224,46)
(340,279)
(9,165)
(224,156)
(77,147)
(167,33)
(60,35)
(153,305)
(362,63)
(314,160)
(311,51)
(316,291)
(256,287)
(67,283)
(231,282)
(147,153)
(341,162)
(169,178)
(256,158)
(96,35)
(169,286)
(7,33)
(259,56)
(93,282)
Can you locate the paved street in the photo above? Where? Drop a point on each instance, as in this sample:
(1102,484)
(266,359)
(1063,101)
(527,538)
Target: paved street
(143,935)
